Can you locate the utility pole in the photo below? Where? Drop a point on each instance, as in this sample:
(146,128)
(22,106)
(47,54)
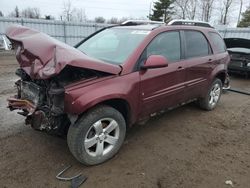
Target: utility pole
(241,3)
(149,11)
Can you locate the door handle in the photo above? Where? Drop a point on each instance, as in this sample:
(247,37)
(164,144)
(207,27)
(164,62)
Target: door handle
(180,68)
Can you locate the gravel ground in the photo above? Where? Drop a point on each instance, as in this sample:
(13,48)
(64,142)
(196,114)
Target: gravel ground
(185,147)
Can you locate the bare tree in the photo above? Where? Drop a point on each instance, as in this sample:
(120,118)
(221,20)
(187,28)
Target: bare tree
(67,11)
(186,8)
(206,9)
(80,14)
(99,19)
(241,3)
(17,15)
(192,9)
(49,17)
(113,21)
(225,9)
(31,13)
(1,14)
(182,5)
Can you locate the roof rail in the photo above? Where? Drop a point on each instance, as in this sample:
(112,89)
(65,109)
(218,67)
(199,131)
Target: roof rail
(141,22)
(190,23)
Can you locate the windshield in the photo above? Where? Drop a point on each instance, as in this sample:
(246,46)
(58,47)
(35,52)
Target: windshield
(113,45)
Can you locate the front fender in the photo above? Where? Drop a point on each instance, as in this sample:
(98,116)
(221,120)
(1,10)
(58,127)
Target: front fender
(125,87)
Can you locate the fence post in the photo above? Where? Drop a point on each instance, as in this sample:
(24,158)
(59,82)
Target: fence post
(64,32)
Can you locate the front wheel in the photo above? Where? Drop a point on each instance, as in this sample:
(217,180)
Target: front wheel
(213,96)
(97,135)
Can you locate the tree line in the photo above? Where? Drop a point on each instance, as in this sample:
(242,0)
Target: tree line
(220,11)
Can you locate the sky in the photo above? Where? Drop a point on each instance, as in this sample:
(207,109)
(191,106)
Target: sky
(93,8)
(105,8)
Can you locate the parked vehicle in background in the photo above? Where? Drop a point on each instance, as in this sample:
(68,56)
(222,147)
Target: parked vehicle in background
(114,78)
(239,50)
(4,43)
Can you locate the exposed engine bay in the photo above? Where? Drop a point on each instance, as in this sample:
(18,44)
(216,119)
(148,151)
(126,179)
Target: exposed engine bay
(42,101)
(45,70)
(239,59)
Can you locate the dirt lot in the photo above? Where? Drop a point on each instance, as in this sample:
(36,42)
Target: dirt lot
(186,147)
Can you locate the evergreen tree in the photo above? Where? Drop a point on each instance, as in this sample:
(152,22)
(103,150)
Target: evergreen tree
(162,10)
(245,21)
(17,15)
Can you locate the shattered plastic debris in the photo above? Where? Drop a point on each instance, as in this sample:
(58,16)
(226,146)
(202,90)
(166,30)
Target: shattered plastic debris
(229,182)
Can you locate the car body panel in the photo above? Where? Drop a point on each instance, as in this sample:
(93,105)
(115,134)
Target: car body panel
(81,97)
(43,57)
(162,87)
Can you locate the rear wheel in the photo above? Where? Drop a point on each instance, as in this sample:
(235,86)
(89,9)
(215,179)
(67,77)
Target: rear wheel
(213,96)
(97,136)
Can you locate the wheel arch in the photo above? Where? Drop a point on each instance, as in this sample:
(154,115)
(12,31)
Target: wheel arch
(222,76)
(120,104)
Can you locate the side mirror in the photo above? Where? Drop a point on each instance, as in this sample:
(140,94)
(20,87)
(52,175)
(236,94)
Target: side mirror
(155,61)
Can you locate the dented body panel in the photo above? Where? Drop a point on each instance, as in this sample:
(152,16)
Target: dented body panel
(42,57)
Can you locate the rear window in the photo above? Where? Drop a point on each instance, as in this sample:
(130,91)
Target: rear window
(218,42)
(196,44)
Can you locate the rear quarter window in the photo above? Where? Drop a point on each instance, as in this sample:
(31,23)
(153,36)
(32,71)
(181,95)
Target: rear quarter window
(218,42)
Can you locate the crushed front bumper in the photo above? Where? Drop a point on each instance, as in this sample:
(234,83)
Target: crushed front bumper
(21,104)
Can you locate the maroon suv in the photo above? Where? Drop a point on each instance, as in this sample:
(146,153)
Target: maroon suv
(114,78)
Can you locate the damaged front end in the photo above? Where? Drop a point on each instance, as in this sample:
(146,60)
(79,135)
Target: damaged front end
(46,67)
(42,102)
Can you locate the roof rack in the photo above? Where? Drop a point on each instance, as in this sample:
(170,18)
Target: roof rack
(190,23)
(141,22)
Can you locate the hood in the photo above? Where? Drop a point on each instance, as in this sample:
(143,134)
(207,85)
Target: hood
(42,56)
(237,43)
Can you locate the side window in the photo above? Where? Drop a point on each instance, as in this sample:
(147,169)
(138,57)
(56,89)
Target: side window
(166,44)
(218,42)
(196,44)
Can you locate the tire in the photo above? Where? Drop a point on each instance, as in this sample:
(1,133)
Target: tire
(212,97)
(97,135)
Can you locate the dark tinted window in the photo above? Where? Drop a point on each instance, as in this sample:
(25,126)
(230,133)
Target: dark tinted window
(196,44)
(166,44)
(218,42)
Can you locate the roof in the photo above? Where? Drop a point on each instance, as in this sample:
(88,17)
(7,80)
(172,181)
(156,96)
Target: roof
(140,27)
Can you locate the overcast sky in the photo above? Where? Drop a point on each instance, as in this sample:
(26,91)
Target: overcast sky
(105,8)
(93,8)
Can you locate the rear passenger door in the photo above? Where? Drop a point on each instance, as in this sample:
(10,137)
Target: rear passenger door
(199,63)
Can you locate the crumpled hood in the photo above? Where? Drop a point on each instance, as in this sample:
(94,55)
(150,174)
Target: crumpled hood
(42,56)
